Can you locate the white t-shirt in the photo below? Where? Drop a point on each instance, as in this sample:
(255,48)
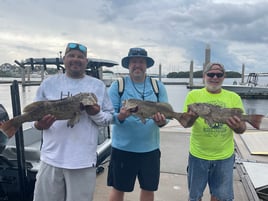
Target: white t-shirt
(73,148)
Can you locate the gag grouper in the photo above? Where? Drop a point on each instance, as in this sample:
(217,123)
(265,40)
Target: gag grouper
(67,108)
(146,109)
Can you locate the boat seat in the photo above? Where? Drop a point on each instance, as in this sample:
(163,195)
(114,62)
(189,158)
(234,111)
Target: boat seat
(30,153)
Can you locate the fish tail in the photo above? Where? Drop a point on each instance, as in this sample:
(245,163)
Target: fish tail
(185,119)
(255,120)
(9,128)
(177,116)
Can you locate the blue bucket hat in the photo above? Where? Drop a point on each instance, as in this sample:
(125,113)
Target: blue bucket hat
(137,52)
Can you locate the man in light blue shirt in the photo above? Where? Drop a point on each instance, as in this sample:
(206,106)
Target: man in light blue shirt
(135,145)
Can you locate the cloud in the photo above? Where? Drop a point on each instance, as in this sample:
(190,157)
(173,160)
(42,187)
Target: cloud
(173,32)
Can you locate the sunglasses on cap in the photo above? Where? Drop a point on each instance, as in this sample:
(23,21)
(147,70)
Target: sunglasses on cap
(218,75)
(76,46)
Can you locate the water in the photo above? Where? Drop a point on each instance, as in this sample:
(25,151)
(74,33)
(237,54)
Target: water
(176,95)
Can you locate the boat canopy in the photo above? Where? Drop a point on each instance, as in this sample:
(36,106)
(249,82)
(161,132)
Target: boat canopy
(93,67)
(58,62)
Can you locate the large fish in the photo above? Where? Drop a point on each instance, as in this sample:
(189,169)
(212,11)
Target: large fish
(146,109)
(216,114)
(64,109)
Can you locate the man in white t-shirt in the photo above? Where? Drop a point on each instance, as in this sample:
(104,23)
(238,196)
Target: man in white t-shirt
(68,155)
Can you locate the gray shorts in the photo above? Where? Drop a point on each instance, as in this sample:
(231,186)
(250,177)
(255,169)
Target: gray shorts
(58,184)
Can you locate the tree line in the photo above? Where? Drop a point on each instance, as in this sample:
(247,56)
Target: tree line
(199,74)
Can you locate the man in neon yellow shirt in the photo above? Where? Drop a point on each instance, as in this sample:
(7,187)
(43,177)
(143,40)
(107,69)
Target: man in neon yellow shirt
(211,157)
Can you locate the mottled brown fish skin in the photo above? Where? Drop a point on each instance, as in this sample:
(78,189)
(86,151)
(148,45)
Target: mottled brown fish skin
(216,114)
(64,109)
(146,109)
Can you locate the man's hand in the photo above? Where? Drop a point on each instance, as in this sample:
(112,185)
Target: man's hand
(92,109)
(236,124)
(45,122)
(123,114)
(159,119)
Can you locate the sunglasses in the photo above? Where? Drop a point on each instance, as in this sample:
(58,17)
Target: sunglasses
(77,46)
(218,75)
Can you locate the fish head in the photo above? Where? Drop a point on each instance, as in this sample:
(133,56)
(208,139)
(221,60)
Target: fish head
(199,108)
(88,99)
(130,105)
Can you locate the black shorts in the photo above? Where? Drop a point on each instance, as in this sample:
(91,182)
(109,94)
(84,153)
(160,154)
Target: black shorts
(125,166)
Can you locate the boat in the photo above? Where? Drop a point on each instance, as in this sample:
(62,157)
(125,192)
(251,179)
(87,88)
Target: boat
(108,77)
(94,67)
(250,89)
(20,155)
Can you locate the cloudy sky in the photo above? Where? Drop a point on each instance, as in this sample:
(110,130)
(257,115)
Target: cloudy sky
(174,32)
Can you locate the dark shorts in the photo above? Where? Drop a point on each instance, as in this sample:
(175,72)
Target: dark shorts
(125,167)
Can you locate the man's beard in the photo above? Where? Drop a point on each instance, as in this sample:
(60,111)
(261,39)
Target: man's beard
(139,76)
(213,88)
(76,73)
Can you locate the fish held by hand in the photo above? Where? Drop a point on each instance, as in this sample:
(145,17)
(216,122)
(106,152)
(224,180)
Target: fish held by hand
(216,114)
(68,108)
(146,109)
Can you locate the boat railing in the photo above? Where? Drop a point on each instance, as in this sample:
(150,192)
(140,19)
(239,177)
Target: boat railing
(252,79)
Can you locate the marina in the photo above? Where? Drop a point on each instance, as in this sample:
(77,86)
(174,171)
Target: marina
(251,151)
(174,34)
(251,89)
(174,147)
(244,91)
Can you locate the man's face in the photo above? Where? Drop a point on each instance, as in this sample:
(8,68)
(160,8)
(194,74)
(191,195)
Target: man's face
(137,67)
(75,63)
(214,79)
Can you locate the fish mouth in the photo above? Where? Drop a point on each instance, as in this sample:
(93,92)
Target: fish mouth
(134,109)
(81,106)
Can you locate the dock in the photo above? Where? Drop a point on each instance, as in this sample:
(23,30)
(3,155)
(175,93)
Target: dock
(175,83)
(244,91)
(26,83)
(250,169)
(173,178)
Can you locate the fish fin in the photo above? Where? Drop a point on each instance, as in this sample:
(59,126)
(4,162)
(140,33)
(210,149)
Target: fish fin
(71,122)
(9,128)
(33,106)
(143,120)
(186,119)
(209,122)
(255,120)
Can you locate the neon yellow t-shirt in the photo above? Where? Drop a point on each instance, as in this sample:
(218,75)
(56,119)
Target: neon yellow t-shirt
(216,142)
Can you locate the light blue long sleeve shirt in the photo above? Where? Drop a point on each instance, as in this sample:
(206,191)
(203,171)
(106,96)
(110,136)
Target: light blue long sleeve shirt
(131,134)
